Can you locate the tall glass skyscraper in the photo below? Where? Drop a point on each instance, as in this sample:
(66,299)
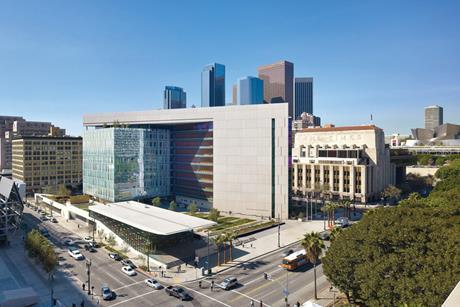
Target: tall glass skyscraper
(213,85)
(303,96)
(250,90)
(174,97)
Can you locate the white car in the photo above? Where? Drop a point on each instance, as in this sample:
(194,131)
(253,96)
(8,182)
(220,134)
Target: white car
(153,283)
(75,253)
(128,271)
(342,222)
(88,239)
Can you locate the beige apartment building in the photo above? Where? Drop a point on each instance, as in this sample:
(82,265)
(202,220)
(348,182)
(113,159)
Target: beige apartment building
(349,162)
(47,162)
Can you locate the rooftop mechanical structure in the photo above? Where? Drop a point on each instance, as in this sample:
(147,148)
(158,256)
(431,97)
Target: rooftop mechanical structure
(11,207)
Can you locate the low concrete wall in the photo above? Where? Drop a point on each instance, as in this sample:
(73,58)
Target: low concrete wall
(421,171)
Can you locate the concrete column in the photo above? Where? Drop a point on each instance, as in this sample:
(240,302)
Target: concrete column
(352,181)
(363,183)
(331,177)
(296,169)
(304,178)
(321,174)
(341,180)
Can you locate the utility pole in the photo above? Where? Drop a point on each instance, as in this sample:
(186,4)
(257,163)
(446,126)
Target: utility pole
(88,271)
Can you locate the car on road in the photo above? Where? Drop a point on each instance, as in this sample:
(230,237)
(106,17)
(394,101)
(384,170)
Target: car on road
(90,248)
(94,244)
(88,239)
(107,294)
(53,220)
(128,270)
(342,222)
(43,218)
(127,262)
(68,242)
(115,256)
(178,292)
(153,284)
(75,253)
(228,283)
(325,235)
(288,252)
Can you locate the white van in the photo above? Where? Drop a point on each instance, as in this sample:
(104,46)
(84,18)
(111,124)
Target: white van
(228,283)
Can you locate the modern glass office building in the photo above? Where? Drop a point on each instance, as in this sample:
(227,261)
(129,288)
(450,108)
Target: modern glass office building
(126,163)
(250,90)
(174,97)
(213,85)
(303,96)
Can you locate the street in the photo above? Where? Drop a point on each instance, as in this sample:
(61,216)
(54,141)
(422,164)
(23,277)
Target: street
(132,291)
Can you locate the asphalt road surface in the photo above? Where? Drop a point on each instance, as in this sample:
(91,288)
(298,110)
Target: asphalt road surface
(131,291)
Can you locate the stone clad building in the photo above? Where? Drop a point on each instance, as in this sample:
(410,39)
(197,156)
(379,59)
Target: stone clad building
(350,162)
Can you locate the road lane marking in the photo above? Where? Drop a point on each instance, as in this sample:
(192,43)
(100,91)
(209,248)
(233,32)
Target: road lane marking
(207,296)
(133,298)
(256,279)
(134,283)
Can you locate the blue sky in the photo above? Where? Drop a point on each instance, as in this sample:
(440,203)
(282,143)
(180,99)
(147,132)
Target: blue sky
(62,59)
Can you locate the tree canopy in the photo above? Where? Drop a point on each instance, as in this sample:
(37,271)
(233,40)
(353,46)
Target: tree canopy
(398,255)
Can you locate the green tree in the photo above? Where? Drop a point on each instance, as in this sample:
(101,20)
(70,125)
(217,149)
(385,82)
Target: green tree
(156,201)
(440,161)
(392,193)
(231,236)
(218,241)
(214,215)
(172,205)
(192,208)
(335,232)
(111,240)
(398,255)
(313,247)
(63,191)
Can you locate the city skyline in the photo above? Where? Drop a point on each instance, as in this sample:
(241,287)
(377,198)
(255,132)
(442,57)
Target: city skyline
(62,67)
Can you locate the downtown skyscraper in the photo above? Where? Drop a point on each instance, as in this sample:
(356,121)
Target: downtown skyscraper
(174,98)
(303,96)
(250,90)
(213,85)
(278,83)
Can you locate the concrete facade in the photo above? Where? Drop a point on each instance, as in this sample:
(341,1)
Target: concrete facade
(349,162)
(250,152)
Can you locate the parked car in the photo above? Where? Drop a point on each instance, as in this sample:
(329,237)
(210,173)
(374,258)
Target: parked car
(228,283)
(153,283)
(115,256)
(325,235)
(128,270)
(53,220)
(107,294)
(94,244)
(288,252)
(88,239)
(342,222)
(178,292)
(90,249)
(127,262)
(75,253)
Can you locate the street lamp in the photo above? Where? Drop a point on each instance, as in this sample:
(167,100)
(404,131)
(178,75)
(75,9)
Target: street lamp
(88,271)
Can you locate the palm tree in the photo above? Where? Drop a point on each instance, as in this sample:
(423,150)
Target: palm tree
(223,237)
(336,231)
(156,201)
(217,240)
(231,235)
(313,247)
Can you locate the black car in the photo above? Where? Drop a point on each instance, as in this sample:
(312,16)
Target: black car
(89,248)
(178,292)
(127,262)
(115,256)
